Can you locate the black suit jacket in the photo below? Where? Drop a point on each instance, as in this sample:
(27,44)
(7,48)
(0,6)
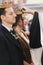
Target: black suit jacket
(35,41)
(10,49)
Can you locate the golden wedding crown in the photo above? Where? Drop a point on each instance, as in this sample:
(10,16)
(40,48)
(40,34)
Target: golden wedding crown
(5,3)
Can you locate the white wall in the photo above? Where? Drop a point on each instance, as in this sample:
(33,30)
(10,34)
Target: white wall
(34,1)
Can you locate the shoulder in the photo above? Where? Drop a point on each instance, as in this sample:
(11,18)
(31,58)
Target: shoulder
(1,35)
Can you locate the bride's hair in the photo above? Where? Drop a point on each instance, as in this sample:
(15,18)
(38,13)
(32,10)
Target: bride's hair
(18,18)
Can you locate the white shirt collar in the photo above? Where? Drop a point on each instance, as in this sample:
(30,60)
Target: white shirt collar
(9,29)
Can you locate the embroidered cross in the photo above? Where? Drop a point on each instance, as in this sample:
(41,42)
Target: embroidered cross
(14,35)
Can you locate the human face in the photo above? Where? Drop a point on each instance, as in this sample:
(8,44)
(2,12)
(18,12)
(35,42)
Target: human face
(9,16)
(25,21)
(20,23)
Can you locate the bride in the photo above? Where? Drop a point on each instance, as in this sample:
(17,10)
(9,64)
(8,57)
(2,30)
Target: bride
(23,39)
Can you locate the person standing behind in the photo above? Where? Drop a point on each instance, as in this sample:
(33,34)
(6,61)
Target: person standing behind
(10,49)
(35,41)
(22,39)
(26,26)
